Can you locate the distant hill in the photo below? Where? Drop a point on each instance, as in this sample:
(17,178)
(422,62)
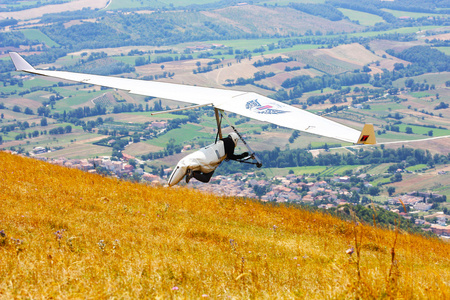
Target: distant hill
(66,233)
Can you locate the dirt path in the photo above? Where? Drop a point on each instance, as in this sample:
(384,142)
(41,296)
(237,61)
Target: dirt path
(38,12)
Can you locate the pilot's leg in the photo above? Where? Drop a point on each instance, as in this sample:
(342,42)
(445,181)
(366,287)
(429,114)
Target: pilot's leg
(203,177)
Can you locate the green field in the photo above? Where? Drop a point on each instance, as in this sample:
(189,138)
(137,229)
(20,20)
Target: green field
(80,98)
(37,82)
(271,172)
(130,4)
(391,136)
(444,190)
(68,60)
(378,169)
(20,4)
(424,130)
(363,18)
(414,15)
(416,168)
(339,170)
(27,84)
(381,180)
(305,170)
(36,34)
(423,94)
(184,134)
(446,50)
(131,60)
(432,78)
(385,107)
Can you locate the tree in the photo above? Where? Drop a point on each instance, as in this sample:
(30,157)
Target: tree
(374,191)
(441,105)
(16,109)
(28,111)
(397,177)
(409,130)
(391,190)
(366,69)
(44,122)
(132,162)
(140,61)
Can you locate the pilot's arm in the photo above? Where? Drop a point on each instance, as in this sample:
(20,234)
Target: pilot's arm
(229,149)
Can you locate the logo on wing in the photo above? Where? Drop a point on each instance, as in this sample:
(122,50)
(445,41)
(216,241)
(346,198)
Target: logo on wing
(268,109)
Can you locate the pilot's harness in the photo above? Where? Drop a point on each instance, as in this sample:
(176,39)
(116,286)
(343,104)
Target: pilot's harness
(252,156)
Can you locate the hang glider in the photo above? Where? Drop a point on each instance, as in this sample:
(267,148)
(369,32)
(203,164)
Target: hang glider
(248,104)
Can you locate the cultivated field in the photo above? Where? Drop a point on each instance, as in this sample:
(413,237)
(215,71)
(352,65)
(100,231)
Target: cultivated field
(38,12)
(283,20)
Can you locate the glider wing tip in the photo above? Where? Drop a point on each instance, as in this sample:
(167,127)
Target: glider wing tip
(20,63)
(367,135)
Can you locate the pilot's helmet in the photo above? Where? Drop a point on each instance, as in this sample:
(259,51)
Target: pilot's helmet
(235,137)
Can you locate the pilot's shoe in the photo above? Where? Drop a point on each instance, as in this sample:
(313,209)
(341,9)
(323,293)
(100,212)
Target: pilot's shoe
(189,175)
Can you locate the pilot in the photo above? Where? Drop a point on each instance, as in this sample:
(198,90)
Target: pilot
(229,144)
(202,163)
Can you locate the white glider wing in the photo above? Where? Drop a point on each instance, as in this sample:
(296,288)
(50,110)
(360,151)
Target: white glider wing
(250,105)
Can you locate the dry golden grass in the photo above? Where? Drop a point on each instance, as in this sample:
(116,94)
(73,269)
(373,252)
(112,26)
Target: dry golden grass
(122,240)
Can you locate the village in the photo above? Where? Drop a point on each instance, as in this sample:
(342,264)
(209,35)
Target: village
(325,194)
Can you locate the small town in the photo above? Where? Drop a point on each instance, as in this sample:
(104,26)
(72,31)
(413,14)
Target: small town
(324,194)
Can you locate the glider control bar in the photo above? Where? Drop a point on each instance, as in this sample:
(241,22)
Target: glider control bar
(180,109)
(252,153)
(219,122)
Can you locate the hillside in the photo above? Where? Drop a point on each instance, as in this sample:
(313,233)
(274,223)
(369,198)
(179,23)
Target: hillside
(68,234)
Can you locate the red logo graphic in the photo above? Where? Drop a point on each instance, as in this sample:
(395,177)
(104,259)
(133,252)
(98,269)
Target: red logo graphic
(364,138)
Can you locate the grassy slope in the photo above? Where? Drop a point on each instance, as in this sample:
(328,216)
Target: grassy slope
(364,19)
(137,241)
(36,34)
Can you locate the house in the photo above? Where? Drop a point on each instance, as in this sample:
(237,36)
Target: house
(344,179)
(128,168)
(127,157)
(116,166)
(321,183)
(186,148)
(39,150)
(442,220)
(158,125)
(405,199)
(440,230)
(149,177)
(422,206)
(85,166)
(308,199)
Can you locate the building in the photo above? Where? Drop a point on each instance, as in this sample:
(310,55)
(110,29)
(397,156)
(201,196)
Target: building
(440,230)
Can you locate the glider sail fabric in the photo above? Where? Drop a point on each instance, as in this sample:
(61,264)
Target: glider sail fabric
(250,105)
